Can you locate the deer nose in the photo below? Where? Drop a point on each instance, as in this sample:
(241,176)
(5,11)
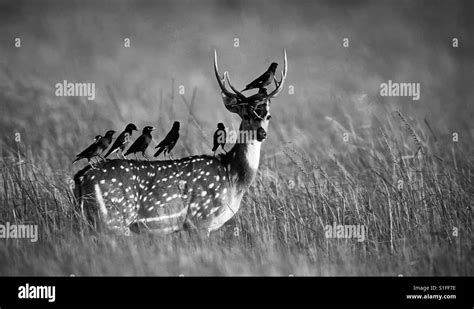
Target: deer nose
(261,134)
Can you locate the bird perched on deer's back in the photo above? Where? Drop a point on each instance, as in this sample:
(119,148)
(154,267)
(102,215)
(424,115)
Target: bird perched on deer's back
(122,140)
(142,142)
(265,79)
(90,152)
(168,143)
(220,137)
(104,142)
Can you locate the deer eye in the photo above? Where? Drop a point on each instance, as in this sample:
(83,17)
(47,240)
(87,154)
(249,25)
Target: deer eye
(269,117)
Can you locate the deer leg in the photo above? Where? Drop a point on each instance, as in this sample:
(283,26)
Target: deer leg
(191,230)
(189,225)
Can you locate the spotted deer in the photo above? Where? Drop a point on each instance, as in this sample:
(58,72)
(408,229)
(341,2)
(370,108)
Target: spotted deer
(201,192)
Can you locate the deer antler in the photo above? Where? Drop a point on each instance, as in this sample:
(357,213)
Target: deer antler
(221,80)
(239,95)
(279,84)
(229,98)
(235,101)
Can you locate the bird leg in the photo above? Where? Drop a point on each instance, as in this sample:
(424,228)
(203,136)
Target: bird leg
(91,163)
(136,157)
(145,156)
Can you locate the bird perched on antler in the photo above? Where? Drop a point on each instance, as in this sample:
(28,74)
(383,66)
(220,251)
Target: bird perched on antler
(142,142)
(168,143)
(236,102)
(263,80)
(122,140)
(252,102)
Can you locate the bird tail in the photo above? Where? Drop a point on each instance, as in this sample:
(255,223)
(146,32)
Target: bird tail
(159,151)
(215,147)
(77,159)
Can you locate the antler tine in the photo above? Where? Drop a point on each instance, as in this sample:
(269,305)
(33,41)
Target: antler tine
(257,115)
(221,80)
(279,85)
(239,95)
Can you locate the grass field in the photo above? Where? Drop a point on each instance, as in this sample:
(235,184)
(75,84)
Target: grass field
(336,152)
(410,207)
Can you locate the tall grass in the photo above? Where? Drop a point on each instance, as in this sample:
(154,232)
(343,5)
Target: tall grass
(392,177)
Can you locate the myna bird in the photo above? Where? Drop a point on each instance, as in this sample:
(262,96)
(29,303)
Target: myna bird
(104,142)
(220,137)
(90,152)
(168,143)
(142,142)
(97,138)
(122,140)
(265,79)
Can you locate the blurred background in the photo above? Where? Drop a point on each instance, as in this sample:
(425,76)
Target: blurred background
(336,89)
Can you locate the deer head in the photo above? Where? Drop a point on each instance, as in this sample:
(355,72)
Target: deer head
(255,110)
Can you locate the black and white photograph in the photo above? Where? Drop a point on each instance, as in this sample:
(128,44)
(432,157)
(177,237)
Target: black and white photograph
(146,142)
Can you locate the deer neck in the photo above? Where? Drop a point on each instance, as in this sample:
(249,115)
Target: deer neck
(242,163)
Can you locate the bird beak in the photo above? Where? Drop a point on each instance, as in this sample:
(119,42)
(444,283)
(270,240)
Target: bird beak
(153,128)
